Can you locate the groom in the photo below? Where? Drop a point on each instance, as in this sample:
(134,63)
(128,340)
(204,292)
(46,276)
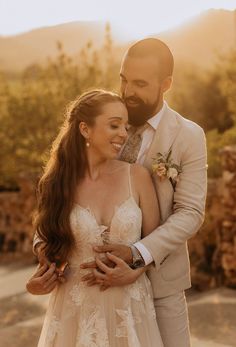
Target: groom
(146,74)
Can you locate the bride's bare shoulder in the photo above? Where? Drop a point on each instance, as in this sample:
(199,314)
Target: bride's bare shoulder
(119,165)
(140,173)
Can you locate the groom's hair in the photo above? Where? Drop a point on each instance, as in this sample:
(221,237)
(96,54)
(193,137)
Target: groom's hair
(156,48)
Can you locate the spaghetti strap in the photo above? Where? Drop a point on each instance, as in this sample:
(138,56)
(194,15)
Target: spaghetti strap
(129,175)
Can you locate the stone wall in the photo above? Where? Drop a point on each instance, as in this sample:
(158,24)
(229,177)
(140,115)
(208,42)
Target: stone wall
(16,218)
(203,248)
(227,232)
(213,249)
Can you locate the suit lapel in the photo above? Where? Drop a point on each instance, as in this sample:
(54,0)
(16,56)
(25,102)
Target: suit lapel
(162,142)
(164,136)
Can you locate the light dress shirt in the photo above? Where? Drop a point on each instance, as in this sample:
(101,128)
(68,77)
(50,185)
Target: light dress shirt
(147,139)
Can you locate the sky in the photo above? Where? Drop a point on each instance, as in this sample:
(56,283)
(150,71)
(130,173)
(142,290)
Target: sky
(132,18)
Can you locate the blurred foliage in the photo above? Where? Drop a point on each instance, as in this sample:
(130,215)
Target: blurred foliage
(216,139)
(31,109)
(208,98)
(203,96)
(32,105)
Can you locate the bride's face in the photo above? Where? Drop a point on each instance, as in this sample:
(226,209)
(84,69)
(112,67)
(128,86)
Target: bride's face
(109,132)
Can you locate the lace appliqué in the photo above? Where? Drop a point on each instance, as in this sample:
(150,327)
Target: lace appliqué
(133,220)
(127,327)
(93,331)
(136,291)
(150,307)
(78,293)
(53,329)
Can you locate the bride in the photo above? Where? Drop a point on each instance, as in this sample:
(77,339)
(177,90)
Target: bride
(87,197)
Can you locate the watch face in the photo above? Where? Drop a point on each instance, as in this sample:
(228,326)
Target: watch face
(138,263)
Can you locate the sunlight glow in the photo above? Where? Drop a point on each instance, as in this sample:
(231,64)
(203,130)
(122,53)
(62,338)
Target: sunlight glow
(132,18)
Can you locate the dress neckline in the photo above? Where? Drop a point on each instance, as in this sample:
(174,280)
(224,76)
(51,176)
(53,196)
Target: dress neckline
(116,209)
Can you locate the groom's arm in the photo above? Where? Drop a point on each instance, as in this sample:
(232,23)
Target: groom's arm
(36,243)
(188,205)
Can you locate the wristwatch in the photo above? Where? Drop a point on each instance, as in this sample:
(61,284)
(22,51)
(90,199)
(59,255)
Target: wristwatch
(137,260)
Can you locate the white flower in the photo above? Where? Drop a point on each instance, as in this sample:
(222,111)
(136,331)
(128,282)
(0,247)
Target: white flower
(164,167)
(172,173)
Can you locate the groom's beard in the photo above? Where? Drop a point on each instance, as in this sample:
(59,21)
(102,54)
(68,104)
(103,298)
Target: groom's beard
(141,112)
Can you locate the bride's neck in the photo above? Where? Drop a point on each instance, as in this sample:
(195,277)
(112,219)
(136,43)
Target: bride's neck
(96,167)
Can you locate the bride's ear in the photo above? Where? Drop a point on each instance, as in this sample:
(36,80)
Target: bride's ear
(84,130)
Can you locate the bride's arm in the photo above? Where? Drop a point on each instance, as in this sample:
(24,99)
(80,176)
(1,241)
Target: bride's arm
(144,189)
(148,202)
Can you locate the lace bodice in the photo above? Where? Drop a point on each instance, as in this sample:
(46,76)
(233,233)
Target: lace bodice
(125,227)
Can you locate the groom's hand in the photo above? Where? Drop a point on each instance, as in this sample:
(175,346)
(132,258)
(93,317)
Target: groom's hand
(43,281)
(44,261)
(90,278)
(40,253)
(121,251)
(120,275)
(93,265)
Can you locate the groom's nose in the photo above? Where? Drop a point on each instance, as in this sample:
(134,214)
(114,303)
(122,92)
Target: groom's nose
(128,91)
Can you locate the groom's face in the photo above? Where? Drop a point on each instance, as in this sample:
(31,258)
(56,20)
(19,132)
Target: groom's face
(140,88)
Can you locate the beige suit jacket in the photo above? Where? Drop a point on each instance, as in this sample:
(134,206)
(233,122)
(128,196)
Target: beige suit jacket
(182,210)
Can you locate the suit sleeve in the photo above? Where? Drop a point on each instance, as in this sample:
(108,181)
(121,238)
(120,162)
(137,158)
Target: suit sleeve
(188,204)
(36,241)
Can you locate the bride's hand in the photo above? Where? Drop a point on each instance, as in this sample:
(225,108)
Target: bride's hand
(119,250)
(90,278)
(93,265)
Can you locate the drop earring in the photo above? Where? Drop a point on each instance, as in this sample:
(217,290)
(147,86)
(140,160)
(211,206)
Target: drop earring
(87,144)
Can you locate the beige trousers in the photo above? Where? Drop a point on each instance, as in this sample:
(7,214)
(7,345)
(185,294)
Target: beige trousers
(172,319)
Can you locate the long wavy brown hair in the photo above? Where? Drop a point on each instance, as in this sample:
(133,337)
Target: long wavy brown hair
(66,167)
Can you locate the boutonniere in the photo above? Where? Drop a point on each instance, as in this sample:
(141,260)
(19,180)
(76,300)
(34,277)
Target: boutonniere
(164,167)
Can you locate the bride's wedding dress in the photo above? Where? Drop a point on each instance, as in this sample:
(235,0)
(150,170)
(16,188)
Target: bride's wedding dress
(82,316)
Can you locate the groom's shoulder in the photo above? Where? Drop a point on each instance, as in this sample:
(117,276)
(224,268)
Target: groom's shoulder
(186,125)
